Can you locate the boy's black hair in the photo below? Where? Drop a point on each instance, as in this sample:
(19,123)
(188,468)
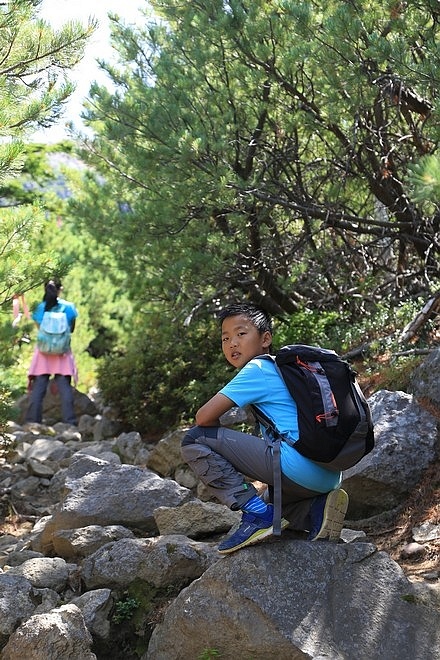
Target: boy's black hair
(258,316)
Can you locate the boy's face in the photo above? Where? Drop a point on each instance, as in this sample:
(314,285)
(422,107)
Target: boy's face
(241,340)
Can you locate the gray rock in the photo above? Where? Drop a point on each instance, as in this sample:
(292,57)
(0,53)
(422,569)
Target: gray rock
(38,469)
(128,446)
(106,427)
(186,477)
(45,572)
(160,561)
(48,599)
(412,551)
(95,607)
(60,633)
(383,478)
(100,493)
(15,558)
(48,449)
(78,543)
(426,532)
(196,519)
(16,603)
(165,457)
(298,599)
(289,598)
(424,382)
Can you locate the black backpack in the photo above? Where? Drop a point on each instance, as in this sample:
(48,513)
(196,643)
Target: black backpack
(335,426)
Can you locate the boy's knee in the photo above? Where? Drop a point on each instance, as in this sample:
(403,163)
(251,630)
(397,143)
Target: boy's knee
(192,435)
(196,432)
(194,450)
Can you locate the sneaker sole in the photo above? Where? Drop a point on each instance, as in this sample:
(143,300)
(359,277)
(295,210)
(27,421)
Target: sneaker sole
(256,536)
(334,514)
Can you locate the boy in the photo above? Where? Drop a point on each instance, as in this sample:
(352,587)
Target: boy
(221,458)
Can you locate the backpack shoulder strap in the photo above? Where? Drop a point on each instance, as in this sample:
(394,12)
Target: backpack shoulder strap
(257,412)
(265,422)
(264,356)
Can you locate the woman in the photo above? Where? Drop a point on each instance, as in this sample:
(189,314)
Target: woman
(43,365)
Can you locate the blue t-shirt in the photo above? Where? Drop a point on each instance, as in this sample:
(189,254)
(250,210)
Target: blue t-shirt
(69,310)
(259,383)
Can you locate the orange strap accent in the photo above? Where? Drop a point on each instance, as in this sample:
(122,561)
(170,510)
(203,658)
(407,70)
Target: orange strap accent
(306,365)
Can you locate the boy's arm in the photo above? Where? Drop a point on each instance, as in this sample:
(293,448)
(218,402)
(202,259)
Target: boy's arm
(209,414)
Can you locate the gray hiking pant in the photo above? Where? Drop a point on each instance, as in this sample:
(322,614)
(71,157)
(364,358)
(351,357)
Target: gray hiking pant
(34,412)
(223,458)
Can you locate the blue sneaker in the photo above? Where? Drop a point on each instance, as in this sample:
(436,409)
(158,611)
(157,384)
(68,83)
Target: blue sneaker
(327,515)
(252,529)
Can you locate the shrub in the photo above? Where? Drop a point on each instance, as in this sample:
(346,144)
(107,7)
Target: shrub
(164,376)
(5,409)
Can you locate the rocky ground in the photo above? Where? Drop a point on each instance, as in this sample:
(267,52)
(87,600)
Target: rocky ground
(392,534)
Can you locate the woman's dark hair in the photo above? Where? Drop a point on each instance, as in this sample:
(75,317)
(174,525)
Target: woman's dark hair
(51,291)
(258,316)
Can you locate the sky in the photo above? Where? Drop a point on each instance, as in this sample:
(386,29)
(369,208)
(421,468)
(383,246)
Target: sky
(57,12)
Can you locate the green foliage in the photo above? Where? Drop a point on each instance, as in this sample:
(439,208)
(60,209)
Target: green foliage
(257,151)
(164,376)
(409,598)
(51,246)
(342,332)
(125,609)
(33,84)
(38,176)
(396,375)
(383,325)
(309,327)
(209,654)
(424,178)
(21,267)
(261,151)
(5,409)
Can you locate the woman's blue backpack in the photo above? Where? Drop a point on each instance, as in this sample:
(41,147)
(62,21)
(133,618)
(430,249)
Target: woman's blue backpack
(54,333)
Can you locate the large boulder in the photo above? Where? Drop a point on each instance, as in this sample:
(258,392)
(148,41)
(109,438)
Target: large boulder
(299,599)
(407,442)
(102,493)
(60,633)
